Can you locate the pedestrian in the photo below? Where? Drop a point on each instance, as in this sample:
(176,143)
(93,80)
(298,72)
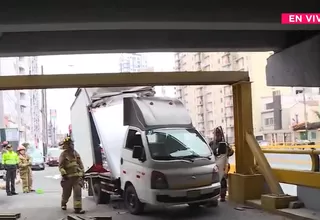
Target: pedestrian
(25,163)
(10,162)
(72,172)
(222,151)
(4,145)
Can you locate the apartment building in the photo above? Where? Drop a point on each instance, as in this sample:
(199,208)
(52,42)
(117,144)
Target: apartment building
(35,107)
(134,62)
(16,106)
(281,112)
(212,106)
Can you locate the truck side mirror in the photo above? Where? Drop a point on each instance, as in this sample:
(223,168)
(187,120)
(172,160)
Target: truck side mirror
(137,152)
(222,148)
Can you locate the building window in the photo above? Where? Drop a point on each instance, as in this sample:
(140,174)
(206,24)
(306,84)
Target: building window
(268,121)
(221,100)
(21,109)
(225,60)
(269,106)
(313,135)
(303,135)
(221,110)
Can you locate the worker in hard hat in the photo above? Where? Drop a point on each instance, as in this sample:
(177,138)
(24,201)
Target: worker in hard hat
(25,163)
(10,161)
(72,172)
(222,151)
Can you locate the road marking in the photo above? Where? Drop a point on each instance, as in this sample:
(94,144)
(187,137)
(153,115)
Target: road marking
(56,177)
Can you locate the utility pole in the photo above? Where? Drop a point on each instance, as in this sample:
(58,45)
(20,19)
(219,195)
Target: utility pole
(305,112)
(226,122)
(44,112)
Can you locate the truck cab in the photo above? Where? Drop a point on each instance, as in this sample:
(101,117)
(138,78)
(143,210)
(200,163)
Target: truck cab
(154,154)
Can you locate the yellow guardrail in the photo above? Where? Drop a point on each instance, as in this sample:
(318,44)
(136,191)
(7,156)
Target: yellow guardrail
(293,146)
(309,178)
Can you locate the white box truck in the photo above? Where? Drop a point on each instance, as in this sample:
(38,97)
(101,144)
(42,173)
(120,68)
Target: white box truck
(142,148)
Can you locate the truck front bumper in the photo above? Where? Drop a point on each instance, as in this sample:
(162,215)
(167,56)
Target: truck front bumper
(185,196)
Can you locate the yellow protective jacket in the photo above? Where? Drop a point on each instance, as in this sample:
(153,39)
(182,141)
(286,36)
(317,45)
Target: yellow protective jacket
(70,164)
(25,163)
(10,159)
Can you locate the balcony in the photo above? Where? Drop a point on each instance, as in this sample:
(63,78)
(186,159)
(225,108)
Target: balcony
(197,58)
(229,115)
(204,56)
(177,56)
(228,94)
(230,125)
(200,111)
(199,92)
(201,119)
(228,104)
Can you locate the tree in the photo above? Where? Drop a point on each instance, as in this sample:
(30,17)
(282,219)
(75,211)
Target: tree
(317,114)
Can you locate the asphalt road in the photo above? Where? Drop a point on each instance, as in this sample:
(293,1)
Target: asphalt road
(47,205)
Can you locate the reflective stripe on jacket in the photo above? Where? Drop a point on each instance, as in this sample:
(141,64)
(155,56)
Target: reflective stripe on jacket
(70,164)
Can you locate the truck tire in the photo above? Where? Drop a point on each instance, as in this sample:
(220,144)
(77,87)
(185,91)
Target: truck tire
(100,197)
(132,201)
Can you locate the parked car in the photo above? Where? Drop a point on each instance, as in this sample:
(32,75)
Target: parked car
(53,156)
(2,171)
(37,160)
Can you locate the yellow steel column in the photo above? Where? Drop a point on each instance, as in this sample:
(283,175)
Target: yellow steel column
(242,108)
(243,185)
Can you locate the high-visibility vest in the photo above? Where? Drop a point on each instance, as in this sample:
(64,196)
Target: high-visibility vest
(10,158)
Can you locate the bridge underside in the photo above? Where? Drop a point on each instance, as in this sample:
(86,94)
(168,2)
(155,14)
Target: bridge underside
(134,26)
(126,26)
(142,26)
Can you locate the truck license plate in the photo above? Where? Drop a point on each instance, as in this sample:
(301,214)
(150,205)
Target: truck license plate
(193,194)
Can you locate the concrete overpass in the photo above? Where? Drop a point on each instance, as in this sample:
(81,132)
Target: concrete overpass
(95,27)
(45,28)
(122,26)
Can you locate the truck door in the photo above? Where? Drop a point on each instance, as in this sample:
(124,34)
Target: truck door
(133,170)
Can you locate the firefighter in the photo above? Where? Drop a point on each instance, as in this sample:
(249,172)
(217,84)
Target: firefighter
(222,151)
(25,163)
(72,172)
(10,161)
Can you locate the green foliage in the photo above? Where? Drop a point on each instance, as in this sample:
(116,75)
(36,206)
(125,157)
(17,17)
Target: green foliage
(317,113)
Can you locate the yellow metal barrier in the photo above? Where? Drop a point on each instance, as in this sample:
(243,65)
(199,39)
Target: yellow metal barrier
(309,178)
(314,155)
(264,165)
(289,146)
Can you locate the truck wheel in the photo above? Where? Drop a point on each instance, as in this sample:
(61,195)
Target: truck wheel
(132,201)
(100,197)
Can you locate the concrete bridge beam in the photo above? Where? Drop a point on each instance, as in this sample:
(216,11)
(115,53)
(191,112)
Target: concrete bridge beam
(297,66)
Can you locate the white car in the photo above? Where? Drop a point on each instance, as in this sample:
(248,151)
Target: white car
(2,174)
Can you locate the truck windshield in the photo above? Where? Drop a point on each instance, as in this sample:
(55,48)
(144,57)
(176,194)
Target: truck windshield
(172,144)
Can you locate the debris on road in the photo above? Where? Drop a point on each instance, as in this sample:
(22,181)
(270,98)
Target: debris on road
(76,217)
(10,216)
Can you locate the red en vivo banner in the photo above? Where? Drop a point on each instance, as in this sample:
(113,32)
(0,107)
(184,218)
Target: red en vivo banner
(300,18)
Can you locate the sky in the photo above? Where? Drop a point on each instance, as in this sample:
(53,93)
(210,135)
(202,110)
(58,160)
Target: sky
(61,99)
